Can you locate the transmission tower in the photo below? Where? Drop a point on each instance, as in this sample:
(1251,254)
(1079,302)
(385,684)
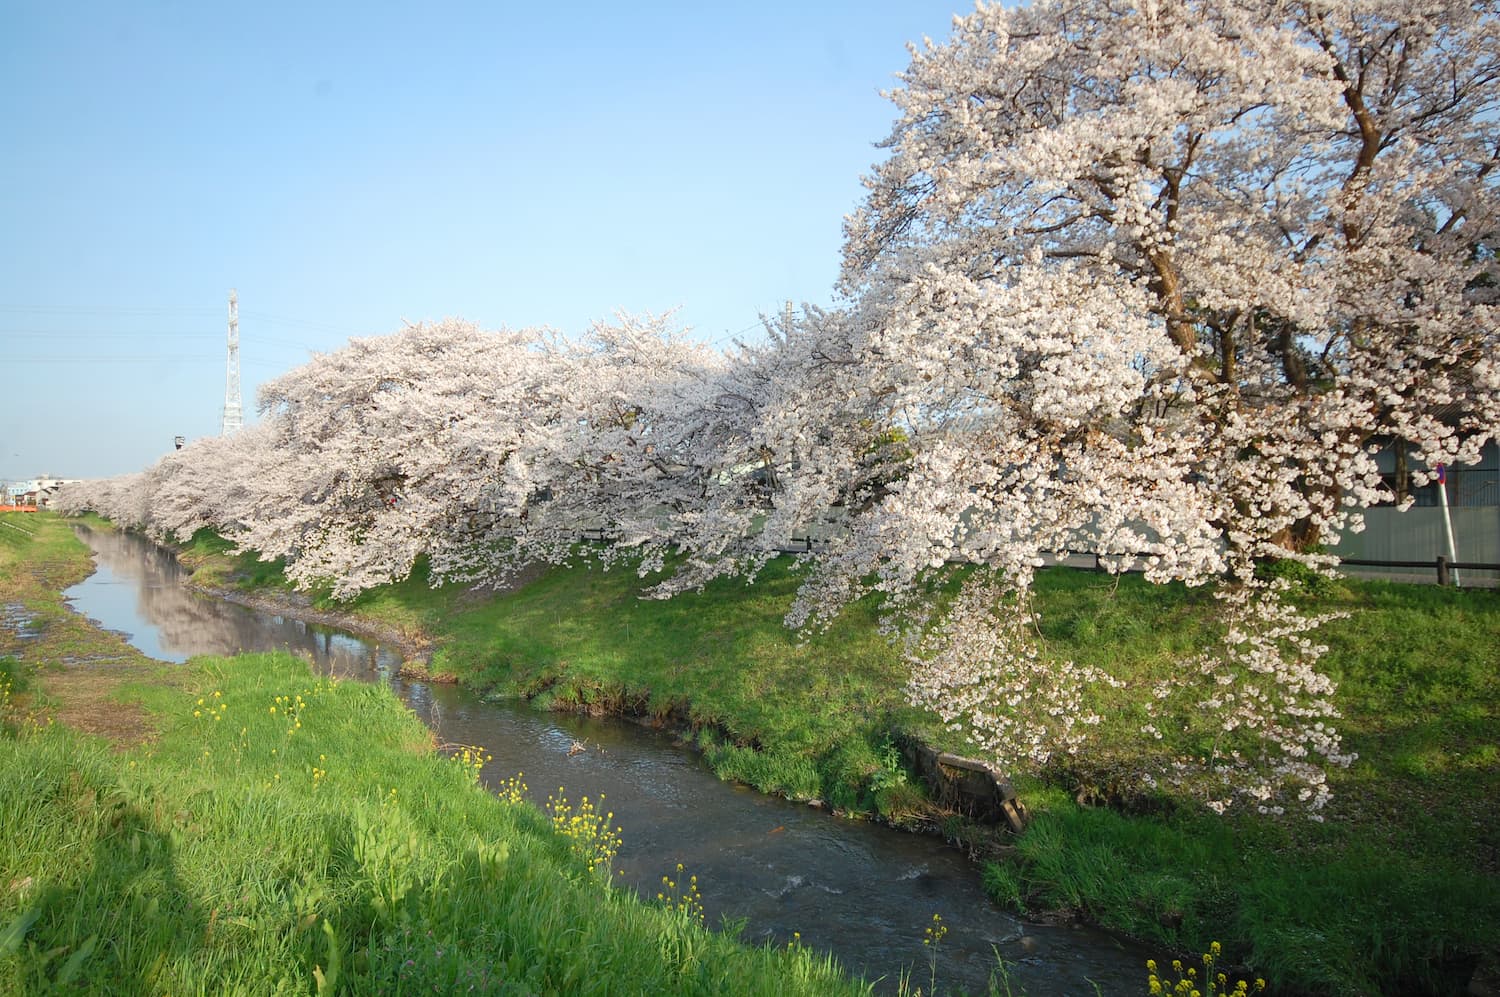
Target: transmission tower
(232,413)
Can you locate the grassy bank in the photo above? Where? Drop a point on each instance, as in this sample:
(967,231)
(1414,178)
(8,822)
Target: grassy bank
(244,827)
(806,719)
(285,834)
(1397,891)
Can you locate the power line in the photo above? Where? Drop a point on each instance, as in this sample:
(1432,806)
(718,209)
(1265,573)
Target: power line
(312,324)
(99,310)
(83,334)
(134,358)
(733,336)
(150,334)
(159,311)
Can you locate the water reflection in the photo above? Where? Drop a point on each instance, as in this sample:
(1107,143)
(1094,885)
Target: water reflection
(861,891)
(138,590)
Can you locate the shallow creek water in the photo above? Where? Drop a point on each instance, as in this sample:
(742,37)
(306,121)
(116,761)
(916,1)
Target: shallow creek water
(859,890)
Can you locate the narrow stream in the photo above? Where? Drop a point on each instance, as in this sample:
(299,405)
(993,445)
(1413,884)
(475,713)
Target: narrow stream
(856,889)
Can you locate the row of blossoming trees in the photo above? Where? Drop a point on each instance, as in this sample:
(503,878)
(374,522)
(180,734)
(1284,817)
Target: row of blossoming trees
(1142,277)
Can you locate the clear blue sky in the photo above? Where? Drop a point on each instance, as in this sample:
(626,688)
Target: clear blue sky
(348,166)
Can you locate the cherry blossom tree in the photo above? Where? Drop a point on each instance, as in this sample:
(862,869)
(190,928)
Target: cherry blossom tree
(752,429)
(124,499)
(398,446)
(634,448)
(208,483)
(633,439)
(1149,279)
(481,451)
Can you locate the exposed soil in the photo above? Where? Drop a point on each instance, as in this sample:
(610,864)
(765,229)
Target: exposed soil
(84,697)
(78,669)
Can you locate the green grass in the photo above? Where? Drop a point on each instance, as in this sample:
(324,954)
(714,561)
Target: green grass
(41,547)
(801,718)
(806,719)
(39,557)
(214,562)
(288,834)
(411,606)
(13,684)
(308,840)
(1396,892)
(1324,914)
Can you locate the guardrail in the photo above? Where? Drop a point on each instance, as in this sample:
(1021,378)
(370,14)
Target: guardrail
(1440,564)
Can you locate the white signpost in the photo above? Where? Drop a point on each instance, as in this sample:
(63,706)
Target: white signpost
(1442,490)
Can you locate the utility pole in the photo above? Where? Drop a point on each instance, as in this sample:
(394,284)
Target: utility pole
(233,416)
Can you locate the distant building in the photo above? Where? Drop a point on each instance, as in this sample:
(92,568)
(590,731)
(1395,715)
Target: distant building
(37,491)
(49,487)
